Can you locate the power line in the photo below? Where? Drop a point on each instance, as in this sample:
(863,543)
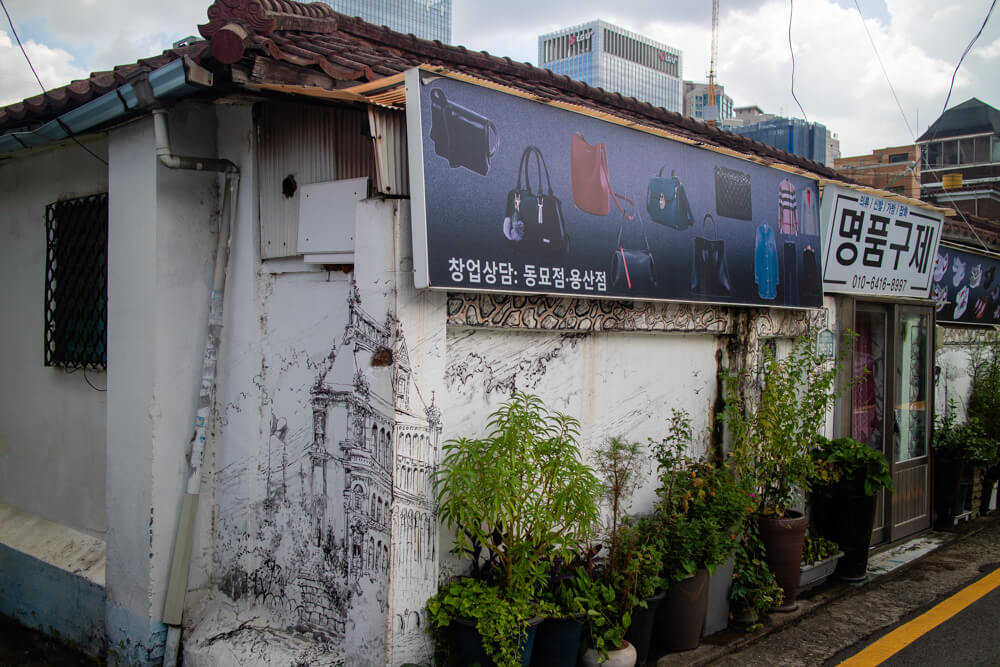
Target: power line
(791,9)
(884,73)
(965,53)
(69,132)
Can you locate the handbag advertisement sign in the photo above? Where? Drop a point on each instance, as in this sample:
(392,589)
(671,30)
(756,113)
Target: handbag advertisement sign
(966,287)
(516,196)
(877,246)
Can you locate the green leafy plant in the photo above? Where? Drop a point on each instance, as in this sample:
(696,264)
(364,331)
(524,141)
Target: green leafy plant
(754,587)
(817,549)
(700,506)
(502,621)
(772,436)
(845,463)
(966,442)
(601,604)
(984,394)
(520,496)
(630,569)
(519,499)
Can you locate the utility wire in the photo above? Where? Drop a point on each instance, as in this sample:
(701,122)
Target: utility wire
(966,52)
(947,98)
(791,9)
(69,132)
(884,73)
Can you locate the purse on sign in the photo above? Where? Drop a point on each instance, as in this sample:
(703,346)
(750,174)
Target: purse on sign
(710,270)
(589,175)
(632,268)
(667,202)
(462,136)
(534,219)
(732,194)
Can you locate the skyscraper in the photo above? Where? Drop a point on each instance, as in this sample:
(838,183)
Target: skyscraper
(617,60)
(428,19)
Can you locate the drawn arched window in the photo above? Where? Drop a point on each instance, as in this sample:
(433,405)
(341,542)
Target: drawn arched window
(371,512)
(374,438)
(382,447)
(371,554)
(386,554)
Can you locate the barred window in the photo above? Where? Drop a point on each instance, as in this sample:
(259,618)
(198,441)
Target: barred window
(76,283)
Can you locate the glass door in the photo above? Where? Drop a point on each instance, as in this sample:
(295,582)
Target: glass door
(868,394)
(912,422)
(891,409)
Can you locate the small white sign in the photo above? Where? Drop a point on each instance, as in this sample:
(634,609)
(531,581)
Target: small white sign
(877,246)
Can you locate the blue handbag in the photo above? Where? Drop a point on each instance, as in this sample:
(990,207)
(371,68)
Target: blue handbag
(667,203)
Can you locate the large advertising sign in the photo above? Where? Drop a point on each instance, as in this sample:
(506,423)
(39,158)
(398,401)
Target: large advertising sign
(877,246)
(512,195)
(966,287)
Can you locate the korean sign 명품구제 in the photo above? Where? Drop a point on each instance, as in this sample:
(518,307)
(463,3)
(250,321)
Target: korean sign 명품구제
(512,195)
(877,246)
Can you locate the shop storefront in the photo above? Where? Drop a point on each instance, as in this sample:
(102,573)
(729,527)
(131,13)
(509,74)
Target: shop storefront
(880,262)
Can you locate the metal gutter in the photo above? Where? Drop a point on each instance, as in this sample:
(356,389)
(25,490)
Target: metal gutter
(180,77)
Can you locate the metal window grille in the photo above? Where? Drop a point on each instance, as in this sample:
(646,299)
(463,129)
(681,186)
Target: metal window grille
(76,283)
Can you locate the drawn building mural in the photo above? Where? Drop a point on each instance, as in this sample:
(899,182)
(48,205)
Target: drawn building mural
(345,499)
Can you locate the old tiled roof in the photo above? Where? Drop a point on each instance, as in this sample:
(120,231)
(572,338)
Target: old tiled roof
(284,42)
(34,111)
(971,230)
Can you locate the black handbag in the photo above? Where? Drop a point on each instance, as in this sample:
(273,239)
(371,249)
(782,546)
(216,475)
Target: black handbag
(462,136)
(667,202)
(732,194)
(534,220)
(710,270)
(632,268)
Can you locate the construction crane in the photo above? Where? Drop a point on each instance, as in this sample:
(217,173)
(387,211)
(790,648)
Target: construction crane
(711,112)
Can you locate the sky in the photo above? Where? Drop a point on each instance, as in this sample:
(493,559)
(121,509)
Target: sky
(837,78)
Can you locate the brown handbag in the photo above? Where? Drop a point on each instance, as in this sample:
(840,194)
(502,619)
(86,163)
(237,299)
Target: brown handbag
(589,172)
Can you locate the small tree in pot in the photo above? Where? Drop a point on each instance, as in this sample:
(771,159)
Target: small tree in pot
(771,442)
(518,499)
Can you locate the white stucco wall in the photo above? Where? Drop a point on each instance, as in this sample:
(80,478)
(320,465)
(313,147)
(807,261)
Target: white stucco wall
(52,423)
(162,231)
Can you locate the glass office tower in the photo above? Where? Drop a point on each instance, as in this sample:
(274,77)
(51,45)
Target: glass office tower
(428,19)
(617,60)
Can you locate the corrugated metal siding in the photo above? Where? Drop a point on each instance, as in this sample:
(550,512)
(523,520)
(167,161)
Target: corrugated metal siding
(313,145)
(388,127)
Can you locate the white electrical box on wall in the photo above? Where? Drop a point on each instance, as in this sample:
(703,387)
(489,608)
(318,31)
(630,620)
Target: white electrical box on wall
(327,214)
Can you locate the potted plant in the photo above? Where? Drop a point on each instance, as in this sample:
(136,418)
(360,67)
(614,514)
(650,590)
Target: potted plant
(772,436)
(699,507)
(984,407)
(754,590)
(955,446)
(517,499)
(629,567)
(848,474)
(819,559)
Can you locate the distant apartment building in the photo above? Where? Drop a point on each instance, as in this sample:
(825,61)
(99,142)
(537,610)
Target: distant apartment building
(793,135)
(617,60)
(961,159)
(896,169)
(696,100)
(832,148)
(427,19)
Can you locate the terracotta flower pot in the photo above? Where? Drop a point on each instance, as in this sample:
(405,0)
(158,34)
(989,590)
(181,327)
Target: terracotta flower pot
(783,539)
(682,613)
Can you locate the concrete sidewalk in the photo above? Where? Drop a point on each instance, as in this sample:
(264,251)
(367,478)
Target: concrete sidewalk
(884,567)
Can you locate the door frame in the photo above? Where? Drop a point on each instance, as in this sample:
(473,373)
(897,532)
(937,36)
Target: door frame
(889,505)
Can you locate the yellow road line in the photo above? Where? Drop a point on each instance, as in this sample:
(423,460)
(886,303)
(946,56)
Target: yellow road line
(906,634)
